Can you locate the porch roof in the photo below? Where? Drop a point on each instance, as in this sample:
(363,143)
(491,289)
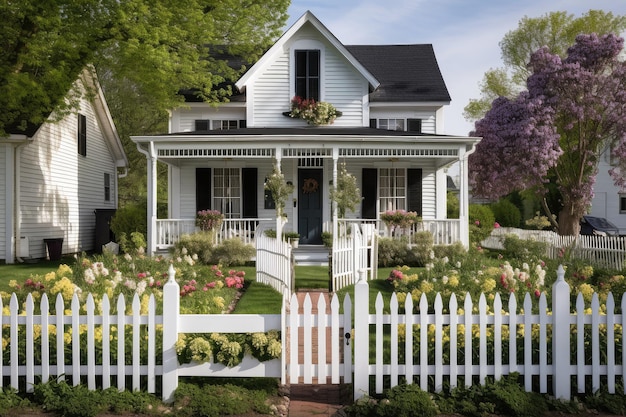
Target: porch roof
(317,142)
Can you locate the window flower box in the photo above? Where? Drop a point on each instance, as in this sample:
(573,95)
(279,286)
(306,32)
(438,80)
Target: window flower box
(314,112)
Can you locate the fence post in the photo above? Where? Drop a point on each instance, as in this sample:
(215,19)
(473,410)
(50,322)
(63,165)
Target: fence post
(171,311)
(561,337)
(361,337)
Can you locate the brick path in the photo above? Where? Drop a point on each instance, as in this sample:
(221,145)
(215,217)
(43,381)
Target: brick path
(317,399)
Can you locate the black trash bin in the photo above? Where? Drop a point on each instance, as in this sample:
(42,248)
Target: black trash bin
(104,234)
(55,248)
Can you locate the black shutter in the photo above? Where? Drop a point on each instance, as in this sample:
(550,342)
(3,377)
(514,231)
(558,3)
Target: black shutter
(373,123)
(369,192)
(242,124)
(203,189)
(414,125)
(414,190)
(249,193)
(202,125)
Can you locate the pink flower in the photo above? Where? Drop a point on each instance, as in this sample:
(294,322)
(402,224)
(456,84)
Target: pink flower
(496,225)
(537,293)
(477,222)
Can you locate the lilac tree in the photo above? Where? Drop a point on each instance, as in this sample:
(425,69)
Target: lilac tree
(573,110)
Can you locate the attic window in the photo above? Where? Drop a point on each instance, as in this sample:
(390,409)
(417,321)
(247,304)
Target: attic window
(308,73)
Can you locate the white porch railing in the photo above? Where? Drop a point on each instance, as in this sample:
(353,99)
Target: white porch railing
(169,231)
(445,232)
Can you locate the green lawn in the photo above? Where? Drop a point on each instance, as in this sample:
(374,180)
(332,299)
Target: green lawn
(257,299)
(22,271)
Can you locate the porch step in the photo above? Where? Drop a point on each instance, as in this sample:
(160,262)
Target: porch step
(316,255)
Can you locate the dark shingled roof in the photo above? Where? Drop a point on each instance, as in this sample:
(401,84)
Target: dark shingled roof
(405,72)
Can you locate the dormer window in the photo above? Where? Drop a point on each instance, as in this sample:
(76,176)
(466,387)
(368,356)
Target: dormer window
(308,73)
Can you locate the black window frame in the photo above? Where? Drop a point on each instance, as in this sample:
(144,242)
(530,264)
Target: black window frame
(82,134)
(307,71)
(107,186)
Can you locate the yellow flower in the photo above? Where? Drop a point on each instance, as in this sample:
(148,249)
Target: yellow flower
(65,287)
(13,283)
(50,276)
(426,287)
(488,285)
(586,290)
(64,270)
(453,281)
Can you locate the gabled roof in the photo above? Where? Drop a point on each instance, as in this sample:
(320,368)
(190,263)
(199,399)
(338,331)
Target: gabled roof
(406,72)
(277,48)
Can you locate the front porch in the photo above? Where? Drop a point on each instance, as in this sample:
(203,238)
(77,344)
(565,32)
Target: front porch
(169,231)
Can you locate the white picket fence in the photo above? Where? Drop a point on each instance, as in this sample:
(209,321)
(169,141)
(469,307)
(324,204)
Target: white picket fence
(354,248)
(274,266)
(605,251)
(446,345)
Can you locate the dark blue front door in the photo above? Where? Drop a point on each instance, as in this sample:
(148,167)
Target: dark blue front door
(310,188)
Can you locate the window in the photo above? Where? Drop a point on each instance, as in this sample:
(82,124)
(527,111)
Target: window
(208,124)
(307,70)
(392,189)
(391,124)
(82,134)
(412,125)
(622,203)
(227,192)
(107,186)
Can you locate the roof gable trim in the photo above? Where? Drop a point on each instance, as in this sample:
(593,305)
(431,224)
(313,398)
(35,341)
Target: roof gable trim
(280,43)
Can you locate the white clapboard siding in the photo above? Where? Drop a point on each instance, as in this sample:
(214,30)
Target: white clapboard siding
(60,189)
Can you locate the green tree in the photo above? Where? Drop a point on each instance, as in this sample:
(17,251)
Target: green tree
(146,43)
(557,31)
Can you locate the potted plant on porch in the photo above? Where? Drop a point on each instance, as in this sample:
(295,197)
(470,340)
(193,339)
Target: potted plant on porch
(280,191)
(293,238)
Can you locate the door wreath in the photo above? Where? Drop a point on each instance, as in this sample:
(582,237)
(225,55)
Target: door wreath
(310,186)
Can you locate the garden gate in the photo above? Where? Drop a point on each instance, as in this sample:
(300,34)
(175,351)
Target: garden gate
(354,249)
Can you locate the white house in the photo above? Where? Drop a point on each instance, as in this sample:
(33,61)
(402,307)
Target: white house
(391,99)
(53,178)
(608,201)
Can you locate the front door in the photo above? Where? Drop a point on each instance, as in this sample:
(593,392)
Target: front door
(310,206)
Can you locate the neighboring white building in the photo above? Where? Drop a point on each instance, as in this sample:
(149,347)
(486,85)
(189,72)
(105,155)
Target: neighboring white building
(54,176)
(391,98)
(608,200)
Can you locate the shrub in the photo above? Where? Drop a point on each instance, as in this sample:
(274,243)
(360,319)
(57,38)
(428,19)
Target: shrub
(506,213)
(200,244)
(392,252)
(523,249)
(452,206)
(481,222)
(232,252)
(400,401)
(217,400)
(128,219)
(423,246)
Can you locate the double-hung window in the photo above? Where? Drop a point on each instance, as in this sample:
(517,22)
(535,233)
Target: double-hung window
(227,192)
(208,124)
(107,186)
(307,70)
(392,189)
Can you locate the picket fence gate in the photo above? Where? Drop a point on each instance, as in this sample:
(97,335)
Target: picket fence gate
(353,346)
(354,249)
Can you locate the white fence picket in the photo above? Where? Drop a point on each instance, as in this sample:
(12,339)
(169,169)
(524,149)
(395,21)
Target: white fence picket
(273,263)
(483,357)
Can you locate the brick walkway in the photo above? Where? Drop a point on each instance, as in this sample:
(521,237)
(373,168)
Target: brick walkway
(317,399)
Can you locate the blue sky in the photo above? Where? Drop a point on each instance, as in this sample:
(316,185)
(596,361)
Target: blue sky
(464,33)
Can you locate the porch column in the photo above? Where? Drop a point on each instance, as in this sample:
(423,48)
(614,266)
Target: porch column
(152,196)
(335,223)
(279,219)
(9,236)
(464,200)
